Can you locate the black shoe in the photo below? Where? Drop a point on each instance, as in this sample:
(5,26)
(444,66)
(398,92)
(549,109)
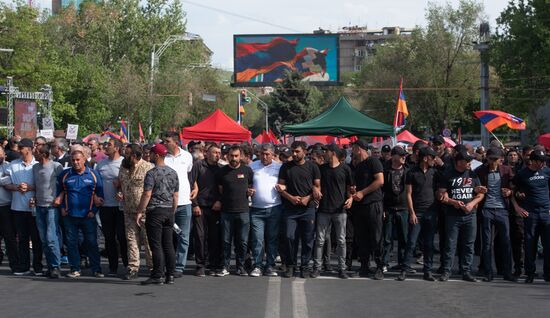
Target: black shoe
(152,281)
(547,278)
(510,278)
(289,272)
(316,273)
(379,275)
(200,272)
(178,274)
(305,272)
(444,277)
(364,271)
(131,275)
(343,275)
(530,279)
(169,280)
(488,278)
(55,273)
(402,276)
(440,270)
(429,277)
(517,272)
(469,278)
(409,270)
(241,271)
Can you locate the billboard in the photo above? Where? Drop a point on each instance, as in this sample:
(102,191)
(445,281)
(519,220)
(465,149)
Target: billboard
(261,60)
(25,118)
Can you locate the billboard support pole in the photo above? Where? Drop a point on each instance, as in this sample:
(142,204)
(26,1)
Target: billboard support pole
(265,107)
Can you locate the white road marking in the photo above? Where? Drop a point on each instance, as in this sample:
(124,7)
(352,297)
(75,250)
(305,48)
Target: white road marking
(299,303)
(273,298)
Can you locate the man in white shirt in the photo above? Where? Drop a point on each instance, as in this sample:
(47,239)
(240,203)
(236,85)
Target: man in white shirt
(265,214)
(181,161)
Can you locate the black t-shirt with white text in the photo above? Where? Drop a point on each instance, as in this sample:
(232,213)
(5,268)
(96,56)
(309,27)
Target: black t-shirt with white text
(460,186)
(299,180)
(334,185)
(235,183)
(535,186)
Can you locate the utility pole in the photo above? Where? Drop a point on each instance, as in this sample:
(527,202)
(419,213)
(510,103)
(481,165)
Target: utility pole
(156,53)
(483,47)
(264,106)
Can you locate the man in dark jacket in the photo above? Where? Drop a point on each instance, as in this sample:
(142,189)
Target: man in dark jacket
(495,184)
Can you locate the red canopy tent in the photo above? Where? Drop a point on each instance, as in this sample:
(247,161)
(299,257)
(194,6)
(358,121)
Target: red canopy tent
(407,136)
(217,127)
(545,140)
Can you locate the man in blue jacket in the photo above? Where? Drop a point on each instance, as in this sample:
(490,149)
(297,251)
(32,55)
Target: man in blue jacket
(80,193)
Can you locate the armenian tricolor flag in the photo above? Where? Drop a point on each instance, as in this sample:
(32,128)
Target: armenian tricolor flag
(492,119)
(123,131)
(402,112)
(141,136)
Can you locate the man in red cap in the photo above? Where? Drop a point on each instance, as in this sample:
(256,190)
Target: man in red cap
(160,200)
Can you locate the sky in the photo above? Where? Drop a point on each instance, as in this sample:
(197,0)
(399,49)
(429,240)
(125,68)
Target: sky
(217,26)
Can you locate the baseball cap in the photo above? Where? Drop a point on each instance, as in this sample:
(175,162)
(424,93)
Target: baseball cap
(26,142)
(495,153)
(362,144)
(285,151)
(397,150)
(334,148)
(460,148)
(537,155)
(426,151)
(387,148)
(438,140)
(160,150)
(463,155)
(419,144)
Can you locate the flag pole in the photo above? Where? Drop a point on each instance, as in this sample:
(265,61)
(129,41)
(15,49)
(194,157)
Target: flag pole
(500,142)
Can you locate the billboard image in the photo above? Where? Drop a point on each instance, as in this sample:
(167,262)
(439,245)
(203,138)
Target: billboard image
(25,118)
(261,60)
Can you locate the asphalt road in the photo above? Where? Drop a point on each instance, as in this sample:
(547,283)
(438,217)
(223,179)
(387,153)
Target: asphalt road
(234,296)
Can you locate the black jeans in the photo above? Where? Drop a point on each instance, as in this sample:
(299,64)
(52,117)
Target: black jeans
(497,218)
(112,226)
(207,239)
(7,231)
(368,222)
(396,222)
(25,227)
(425,229)
(299,222)
(517,237)
(159,225)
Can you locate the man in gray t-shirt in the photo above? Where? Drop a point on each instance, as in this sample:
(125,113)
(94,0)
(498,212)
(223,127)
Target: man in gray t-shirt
(112,218)
(45,175)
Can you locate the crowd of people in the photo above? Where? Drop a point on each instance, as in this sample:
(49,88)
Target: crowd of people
(272,203)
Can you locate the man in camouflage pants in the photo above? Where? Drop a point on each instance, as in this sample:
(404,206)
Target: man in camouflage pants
(131,178)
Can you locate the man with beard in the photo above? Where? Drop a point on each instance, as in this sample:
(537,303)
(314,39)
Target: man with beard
(206,213)
(336,181)
(300,186)
(182,162)
(235,182)
(112,219)
(420,185)
(131,177)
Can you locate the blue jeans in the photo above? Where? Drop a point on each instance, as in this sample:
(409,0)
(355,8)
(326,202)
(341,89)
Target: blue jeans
(466,226)
(265,220)
(183,220)
(88,228)
(299,221)
(47,222)
(425,228)
(537,223)
(500,220)
(235,225)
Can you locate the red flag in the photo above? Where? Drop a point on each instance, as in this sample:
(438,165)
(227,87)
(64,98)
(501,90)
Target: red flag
(141,136)
(181,137)
(459,135)
(273,138)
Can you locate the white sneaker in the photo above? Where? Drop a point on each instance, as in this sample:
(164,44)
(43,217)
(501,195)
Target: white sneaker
(73,274)
(222,273)
(256,272)
(25,273)
(385,269)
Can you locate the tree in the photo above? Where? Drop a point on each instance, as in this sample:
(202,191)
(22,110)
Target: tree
(438,60)
(521,56)
(293,101)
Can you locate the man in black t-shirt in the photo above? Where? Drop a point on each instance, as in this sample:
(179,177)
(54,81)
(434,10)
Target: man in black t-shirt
(395,206)
(300,186)
(235,182)
(532,187)
(368,211)
(336,180)
(456,190)
(420,186)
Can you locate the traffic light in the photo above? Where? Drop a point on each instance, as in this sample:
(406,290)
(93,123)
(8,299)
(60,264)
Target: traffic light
(244,98)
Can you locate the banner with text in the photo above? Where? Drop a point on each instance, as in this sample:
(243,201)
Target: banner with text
(25,118)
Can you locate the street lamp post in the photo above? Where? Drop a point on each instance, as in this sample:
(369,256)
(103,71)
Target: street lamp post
(156,53)
(265,107)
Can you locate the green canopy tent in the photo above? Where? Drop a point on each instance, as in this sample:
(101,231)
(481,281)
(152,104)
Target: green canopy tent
(341,120)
